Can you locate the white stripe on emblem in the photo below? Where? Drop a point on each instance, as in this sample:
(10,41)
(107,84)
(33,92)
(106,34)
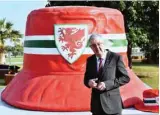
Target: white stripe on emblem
(51,37)
(54,51)
(39,37)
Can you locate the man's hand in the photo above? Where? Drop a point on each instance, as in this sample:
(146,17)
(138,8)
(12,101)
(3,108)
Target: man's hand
(101,86)
(92,83)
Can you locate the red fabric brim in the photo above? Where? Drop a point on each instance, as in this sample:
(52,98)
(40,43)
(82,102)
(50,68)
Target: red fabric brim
(56,92)
(140,106)
(61,91)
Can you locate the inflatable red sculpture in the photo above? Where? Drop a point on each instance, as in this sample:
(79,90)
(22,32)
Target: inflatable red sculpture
(55,53)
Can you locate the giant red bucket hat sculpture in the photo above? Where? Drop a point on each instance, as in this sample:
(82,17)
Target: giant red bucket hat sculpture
(55,53)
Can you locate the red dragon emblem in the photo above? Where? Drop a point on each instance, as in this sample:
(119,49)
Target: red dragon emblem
(74,39)
(71,40)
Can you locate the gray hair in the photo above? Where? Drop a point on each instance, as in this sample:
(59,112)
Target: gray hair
(107,43)
(94,36)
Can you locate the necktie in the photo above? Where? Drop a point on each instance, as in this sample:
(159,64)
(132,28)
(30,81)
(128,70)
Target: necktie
(100,64)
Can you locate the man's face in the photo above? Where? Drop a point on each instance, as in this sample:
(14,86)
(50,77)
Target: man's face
(97,47)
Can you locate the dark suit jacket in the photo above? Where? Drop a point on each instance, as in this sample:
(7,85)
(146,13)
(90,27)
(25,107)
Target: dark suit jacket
(113,75)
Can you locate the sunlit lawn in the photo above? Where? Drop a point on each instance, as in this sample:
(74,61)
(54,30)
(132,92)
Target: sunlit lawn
(148,73)
(2,86)
(14,59)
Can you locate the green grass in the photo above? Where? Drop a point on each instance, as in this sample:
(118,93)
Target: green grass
(2,87)
(15,59)
(148,73)
(2,83)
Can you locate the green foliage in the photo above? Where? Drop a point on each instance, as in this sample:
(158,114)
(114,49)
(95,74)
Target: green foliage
(6,32)
(141,22)
(15,50)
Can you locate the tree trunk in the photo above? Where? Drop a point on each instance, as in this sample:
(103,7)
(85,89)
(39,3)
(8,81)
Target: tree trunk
(155,56)
(2,58)
(129,52)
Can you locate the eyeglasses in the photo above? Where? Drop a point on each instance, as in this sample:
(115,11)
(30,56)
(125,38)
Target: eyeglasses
(97,44)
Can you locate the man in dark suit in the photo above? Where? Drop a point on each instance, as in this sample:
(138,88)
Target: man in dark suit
(105,73)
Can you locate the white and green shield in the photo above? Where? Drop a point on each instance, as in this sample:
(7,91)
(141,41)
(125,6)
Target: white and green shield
(71,40)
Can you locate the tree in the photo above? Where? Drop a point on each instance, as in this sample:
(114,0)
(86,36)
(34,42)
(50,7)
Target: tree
(6,32)
(141,23)
(17,50)
(14,50)
(142,26)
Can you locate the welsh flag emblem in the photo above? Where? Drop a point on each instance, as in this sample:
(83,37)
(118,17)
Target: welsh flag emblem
(71,40)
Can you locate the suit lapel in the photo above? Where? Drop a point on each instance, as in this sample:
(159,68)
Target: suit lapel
(108,59)
(107,62)
(94,62)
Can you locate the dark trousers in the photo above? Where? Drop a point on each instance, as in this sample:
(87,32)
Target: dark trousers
(103,113)
(107,114)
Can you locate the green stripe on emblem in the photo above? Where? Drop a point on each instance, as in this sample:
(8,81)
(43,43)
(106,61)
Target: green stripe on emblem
(40,43)
(118,42)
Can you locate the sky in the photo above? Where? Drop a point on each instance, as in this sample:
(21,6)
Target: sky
(16,11)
